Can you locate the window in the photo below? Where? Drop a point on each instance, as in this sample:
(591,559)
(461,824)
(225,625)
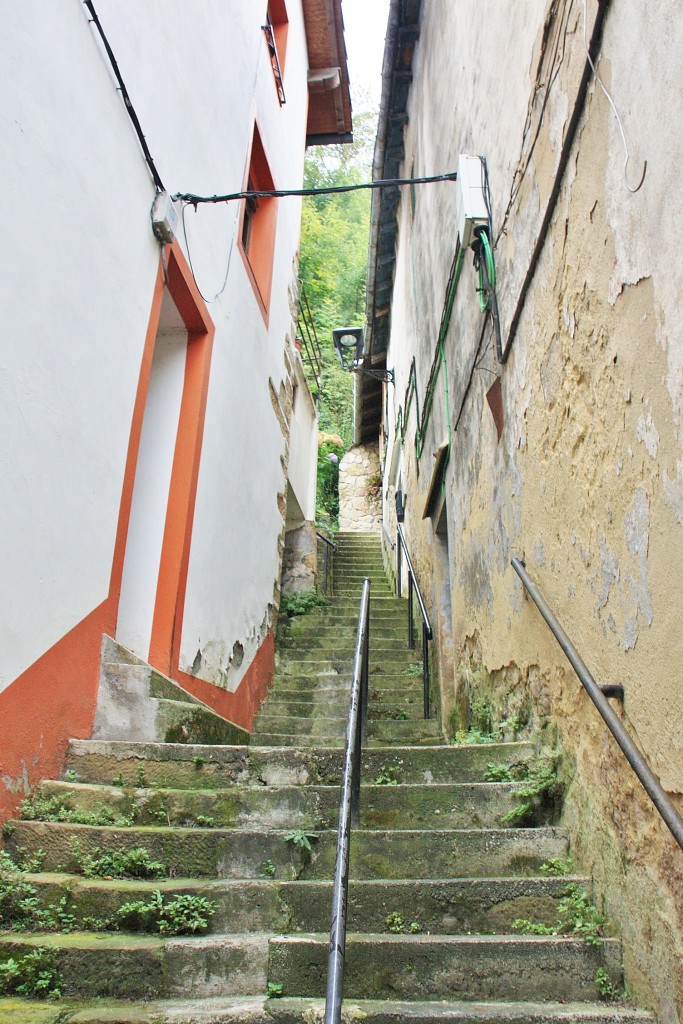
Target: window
(275,30)
(257,230)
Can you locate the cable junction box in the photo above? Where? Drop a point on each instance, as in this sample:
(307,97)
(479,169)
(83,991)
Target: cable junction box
(164,217)
(470,203)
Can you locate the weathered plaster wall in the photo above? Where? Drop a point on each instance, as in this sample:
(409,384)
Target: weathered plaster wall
(585,480)
(360,499)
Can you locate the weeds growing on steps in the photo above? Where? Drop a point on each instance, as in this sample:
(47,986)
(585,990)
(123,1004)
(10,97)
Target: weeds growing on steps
(299,604)
(136,863)
(183,914)
(59,809)
(31,974)
(577,915)
(539,796)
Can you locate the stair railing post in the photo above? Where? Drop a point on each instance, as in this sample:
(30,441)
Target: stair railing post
(411,625)
(425,669)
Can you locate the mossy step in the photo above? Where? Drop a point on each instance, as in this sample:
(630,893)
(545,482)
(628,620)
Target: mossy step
(145,966)
(442,906)
(329,681)
(386,663)
(177,766)
(293,630)
(336,705)
(447,967)
(241,853)
(406,731)
(317,640)
(260,1010)
(420,805)
(181,722)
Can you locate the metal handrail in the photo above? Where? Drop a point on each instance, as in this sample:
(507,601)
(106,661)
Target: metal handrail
(329,546)
(598,695)
(349,810)
(426,626)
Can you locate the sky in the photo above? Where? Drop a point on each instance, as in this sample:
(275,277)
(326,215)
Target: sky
(365,23)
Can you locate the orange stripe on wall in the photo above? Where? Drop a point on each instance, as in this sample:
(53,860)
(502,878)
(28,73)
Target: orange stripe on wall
(47,705)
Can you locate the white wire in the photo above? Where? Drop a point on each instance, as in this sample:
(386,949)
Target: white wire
(235,220)
(611,103)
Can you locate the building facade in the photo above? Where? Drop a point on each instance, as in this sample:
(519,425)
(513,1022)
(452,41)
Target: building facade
(548,428)
(149,449)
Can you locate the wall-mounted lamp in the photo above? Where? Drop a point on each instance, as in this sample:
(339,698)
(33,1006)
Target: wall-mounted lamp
(348,341)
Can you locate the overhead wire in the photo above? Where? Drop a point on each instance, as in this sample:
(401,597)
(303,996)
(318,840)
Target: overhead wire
(600,82)
(128,103)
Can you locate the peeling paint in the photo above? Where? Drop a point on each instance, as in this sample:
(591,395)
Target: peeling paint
(646,432)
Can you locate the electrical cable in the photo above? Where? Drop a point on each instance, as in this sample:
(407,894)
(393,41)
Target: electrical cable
(614,109)
(194,200)
(593,49)
(130,109)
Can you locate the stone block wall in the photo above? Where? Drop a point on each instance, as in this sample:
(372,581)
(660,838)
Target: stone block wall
(360,496)
(299,559)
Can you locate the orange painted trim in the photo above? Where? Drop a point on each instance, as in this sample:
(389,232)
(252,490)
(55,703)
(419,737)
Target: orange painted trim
(134,443)
(241,706)
(175,550)
(48,704)
(259,260)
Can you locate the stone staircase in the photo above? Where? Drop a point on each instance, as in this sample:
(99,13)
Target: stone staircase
(436,881)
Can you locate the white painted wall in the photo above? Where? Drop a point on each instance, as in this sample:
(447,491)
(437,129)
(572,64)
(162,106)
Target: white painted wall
(77,293)
(303,446)
(152,480)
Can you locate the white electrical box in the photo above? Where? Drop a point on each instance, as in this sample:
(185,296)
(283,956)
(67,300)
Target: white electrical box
(471,205)
(164,217)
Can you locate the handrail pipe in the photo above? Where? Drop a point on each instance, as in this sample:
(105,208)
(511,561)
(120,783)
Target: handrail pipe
(349,810)
(649,780)
(329,546)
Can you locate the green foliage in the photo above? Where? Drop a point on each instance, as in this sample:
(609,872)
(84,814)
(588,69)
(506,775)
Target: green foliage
(8,829)
(414,928)
(274,990)
(136,863)
(606,989)
(70,775)
(540,792)
(327,498)
(140,780)
(386,776)
(31,974)
(497,772)
(413,670)
(299,604)
(183,914)
(198,761)
(579,916)
(472,737)
(17,896)
(205,821)
(301,838)
(58,808)
(401,715)
(394,923)
(334,242)
(268,869)
(118,780)
(555,867)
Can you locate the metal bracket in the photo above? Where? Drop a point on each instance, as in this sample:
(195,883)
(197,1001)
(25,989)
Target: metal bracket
(616,691)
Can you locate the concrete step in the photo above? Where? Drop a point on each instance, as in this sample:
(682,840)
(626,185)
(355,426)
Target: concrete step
(261,1010)
(179,766)
(447,967)
(387,731)
(379,663)
(442,906)
(241,853)
(147,966)
(335,704)
(447,805)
